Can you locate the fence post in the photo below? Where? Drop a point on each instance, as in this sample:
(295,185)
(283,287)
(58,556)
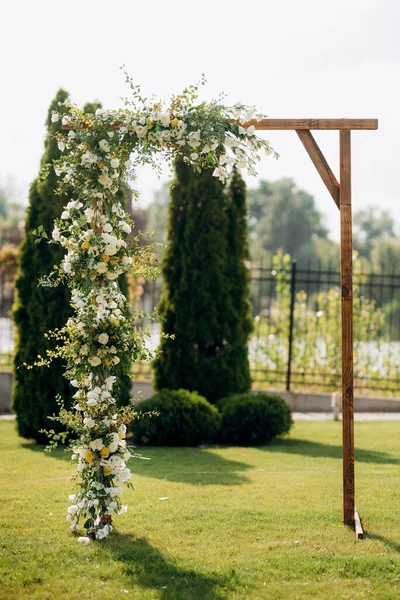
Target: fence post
(291,320)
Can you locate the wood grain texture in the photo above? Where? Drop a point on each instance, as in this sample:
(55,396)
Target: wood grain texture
(342,124)
(346,277)
(320,164)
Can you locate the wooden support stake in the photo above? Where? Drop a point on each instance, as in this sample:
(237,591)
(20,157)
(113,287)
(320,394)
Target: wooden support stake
(320,164)
(358,526)
(346,278)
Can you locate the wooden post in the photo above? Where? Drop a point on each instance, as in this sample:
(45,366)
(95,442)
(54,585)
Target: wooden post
(346,278)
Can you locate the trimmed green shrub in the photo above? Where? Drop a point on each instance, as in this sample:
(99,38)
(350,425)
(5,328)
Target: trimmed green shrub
(205,301)
(185,419)
(253,419)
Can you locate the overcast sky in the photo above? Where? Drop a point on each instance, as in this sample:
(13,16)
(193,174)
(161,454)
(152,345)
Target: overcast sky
(291,58)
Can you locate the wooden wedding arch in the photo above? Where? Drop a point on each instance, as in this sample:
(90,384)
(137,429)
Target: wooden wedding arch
(341,194)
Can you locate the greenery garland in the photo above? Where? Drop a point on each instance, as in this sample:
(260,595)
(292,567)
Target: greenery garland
(100,152)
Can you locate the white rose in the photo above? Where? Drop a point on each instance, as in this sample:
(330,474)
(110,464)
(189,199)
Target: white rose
(72,510)
(84,350)
(97,444)
(105,180)
(125,227)
(101,267)
(109,382)
(89,422)
(56,234)
(67,267)
(124,476)
(65,215)
(165,119)
(110,250)
(115,360)
(123,509)
(61,146)
(95,361)
(114,163)
(127,260)
(107,228)
(55,117)
(103,338)
(104,146)
(111,276)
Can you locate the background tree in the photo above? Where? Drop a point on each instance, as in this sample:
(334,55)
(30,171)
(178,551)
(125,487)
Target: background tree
(205,296)
(40,309)
(286,218)
(370,224)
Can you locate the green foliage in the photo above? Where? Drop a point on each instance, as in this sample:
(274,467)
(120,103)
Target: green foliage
(184,419)
(253,419)
(371,224)
(284,217)
(37,309)
(205,302)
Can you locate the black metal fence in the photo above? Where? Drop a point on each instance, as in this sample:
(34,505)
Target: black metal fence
(296,342)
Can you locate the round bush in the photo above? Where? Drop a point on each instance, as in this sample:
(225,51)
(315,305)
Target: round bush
(253,419)
(185,419)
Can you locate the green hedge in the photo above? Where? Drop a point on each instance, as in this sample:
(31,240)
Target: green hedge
(185,419)
(253,419)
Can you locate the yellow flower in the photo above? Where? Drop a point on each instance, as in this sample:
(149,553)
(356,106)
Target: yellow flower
(89,456)
(85,245)
(114,261)
(104,452)
(115,322)
(174,122)
(149,122)
(108,362)
(96,427)
(106,258)
(101,165)
(107,470)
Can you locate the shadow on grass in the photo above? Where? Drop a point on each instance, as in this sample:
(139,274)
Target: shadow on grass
(149,568)
(380,538)
(194,466)
(318,450)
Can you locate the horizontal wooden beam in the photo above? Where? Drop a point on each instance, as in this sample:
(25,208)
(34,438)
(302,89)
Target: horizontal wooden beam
(296,124)
(320,164)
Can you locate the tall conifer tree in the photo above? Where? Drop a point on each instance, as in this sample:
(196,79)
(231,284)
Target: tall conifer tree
(205,301)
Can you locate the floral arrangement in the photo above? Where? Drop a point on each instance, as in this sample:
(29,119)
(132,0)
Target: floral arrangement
(100,153)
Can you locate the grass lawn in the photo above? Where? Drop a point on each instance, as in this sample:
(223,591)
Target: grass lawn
(246,523)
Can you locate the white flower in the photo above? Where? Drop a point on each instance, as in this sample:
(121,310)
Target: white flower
(127,260)
(65,215)
(55,117)
(124,476)
(115,441)
(110,250)
(84,540)
(56,234)
(97,444)
(125,227)
(72,510)
(75,383)
(103,338)
(74,204)
(194,156)
(112,276)
(115,360)
(123,509)
(104,146)
(61,146)
(107,228)
(67,267)
(122,429)
(84,350)
(109,382)
(89,214)
(95,361)
(114,163)
(101,267)
(89,422)
(105,180)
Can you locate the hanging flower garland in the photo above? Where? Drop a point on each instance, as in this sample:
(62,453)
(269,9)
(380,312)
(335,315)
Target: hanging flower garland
(100,152)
